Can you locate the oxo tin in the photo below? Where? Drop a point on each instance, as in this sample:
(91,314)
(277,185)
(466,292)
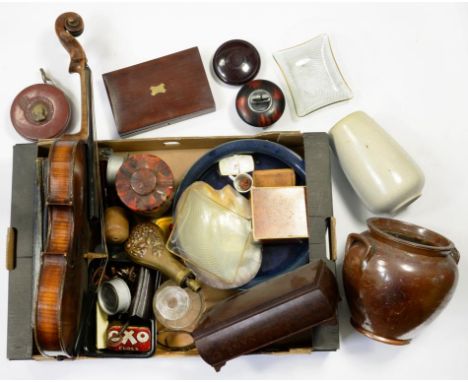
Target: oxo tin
(133,338)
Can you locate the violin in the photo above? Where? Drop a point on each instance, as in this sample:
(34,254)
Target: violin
(75,228)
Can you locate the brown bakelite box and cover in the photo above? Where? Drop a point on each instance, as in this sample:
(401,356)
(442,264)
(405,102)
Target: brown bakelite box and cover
(180,153)
(270,311)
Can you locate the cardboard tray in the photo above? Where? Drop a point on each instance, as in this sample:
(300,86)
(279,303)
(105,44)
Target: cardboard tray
(24,252)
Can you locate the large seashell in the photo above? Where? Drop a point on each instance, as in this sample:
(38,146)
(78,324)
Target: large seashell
(213,234)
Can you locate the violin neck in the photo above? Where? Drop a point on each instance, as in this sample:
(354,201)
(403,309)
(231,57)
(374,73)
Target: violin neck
(87,133)
(87,124)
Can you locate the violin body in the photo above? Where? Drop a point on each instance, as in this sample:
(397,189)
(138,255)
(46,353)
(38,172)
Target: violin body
(63,267)
(75,217)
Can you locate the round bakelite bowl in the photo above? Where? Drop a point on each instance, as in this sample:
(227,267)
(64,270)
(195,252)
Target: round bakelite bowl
(40,111)
(236,62)
(260,103)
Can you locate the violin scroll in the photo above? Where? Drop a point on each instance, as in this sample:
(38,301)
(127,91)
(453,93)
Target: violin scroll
(68,26)
(74,23)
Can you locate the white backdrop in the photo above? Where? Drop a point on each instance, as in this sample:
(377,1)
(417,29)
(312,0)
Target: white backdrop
(406,65)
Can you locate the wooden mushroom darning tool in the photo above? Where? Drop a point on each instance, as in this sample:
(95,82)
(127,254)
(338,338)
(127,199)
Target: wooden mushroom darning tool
(146,247)
(116,223)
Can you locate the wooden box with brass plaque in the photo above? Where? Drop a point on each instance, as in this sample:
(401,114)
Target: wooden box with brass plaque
(159,92)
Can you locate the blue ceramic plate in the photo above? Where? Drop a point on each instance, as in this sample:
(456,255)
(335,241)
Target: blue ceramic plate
(276,258)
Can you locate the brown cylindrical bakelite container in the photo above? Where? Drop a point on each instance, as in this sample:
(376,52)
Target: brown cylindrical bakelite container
(397,276)
(145,184)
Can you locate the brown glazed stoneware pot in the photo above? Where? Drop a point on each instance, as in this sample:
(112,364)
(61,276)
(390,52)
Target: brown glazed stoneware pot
(397,276)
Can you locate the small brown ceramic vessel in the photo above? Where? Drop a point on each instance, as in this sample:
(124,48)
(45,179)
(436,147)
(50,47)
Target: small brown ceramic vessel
(397,276)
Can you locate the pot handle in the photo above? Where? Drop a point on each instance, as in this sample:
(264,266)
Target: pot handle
(455,254)
(354,237)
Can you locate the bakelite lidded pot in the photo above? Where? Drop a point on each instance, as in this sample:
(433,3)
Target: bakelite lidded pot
(260,103)
(236,62)
(145,184)
(397,276)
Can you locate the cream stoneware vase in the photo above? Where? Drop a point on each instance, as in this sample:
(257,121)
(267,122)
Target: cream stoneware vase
(381,172)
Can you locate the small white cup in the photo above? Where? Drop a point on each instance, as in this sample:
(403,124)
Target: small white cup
(381,172)
(114,296)
(242,182)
